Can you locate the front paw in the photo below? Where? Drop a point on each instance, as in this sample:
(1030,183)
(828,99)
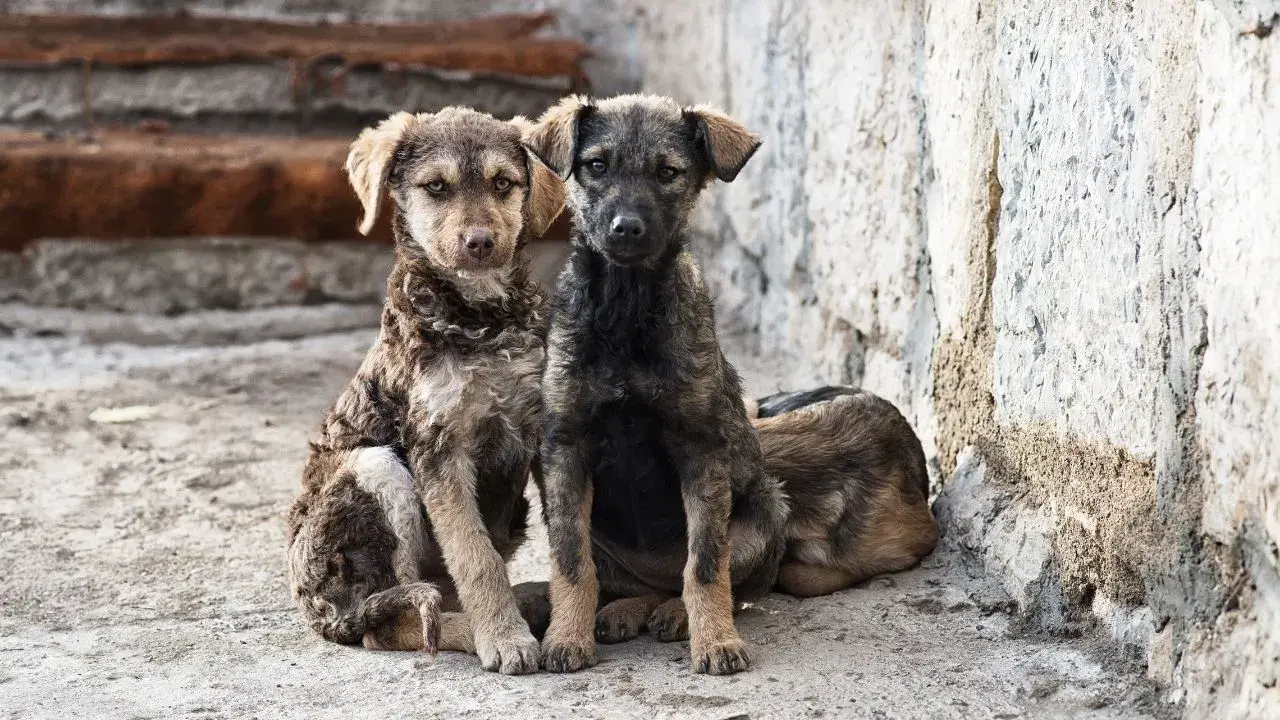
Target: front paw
(560,656)
(514,652)
(721,658)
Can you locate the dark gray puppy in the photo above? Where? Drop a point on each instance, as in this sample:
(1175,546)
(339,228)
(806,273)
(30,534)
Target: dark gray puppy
(653,470)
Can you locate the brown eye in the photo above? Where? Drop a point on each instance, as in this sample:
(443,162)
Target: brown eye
(501,184)
(435,187)
(667,172)
(597,167)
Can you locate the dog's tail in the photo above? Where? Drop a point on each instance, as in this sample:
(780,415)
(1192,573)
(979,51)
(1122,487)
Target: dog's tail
(779,403)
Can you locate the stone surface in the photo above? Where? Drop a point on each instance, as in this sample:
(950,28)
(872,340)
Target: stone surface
(1048,232)
(254,97)
(602,24)
(145,574)
(180,275)
(1016,546)
(173,276)
(142,185)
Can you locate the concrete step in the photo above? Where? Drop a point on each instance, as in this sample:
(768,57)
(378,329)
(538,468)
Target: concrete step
(122,184)
(250,75)
(139,185)
(172,276)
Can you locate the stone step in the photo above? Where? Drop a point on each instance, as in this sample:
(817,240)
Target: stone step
(143,185)
(174,276)
(236,74)
(171,276)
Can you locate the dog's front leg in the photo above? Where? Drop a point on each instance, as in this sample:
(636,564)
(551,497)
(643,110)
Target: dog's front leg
(708,596)
(502,639)
(569,644)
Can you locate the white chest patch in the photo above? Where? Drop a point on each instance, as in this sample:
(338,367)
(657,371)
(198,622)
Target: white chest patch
(463,392)
(483,285)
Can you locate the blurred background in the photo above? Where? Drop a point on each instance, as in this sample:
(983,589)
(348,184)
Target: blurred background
(184,121)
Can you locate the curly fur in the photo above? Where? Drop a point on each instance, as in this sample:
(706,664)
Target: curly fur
(442,415)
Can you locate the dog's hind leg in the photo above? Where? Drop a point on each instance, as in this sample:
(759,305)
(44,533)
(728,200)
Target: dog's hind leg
(380,473)
(900,532)
(897,534)
(804,581)
(625,618)
(405,633)
(415,610)
(669,622)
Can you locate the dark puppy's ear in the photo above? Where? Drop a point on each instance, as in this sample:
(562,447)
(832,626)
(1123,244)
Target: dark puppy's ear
(369,163)
(554,138)
(726,142)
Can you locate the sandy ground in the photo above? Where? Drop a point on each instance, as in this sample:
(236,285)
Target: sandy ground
(143,572)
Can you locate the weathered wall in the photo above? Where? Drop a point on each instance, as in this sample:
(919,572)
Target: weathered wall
(1050,231)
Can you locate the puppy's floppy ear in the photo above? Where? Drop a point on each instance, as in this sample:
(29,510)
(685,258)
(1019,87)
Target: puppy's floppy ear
(726,142)
(546,194)
(554,138)
(369,163)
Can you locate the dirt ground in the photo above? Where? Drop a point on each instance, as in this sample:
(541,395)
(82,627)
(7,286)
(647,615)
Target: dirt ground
(143,565)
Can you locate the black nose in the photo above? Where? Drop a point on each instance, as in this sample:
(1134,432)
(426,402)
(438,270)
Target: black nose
(479,242)
(627,226)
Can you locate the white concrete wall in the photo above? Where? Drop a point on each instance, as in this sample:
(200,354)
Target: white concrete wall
(1050,231)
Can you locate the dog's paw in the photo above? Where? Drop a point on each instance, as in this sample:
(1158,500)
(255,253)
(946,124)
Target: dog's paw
(561,656)
(511,653)
(614,626)
(722,658)
(669,622)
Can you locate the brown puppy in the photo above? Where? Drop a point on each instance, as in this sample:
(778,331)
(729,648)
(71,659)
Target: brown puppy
(855,476)
(443,413)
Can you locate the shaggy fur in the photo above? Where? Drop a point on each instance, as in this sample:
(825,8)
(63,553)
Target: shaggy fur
(661,501)
(854,472)
(652,466)
(442,416)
